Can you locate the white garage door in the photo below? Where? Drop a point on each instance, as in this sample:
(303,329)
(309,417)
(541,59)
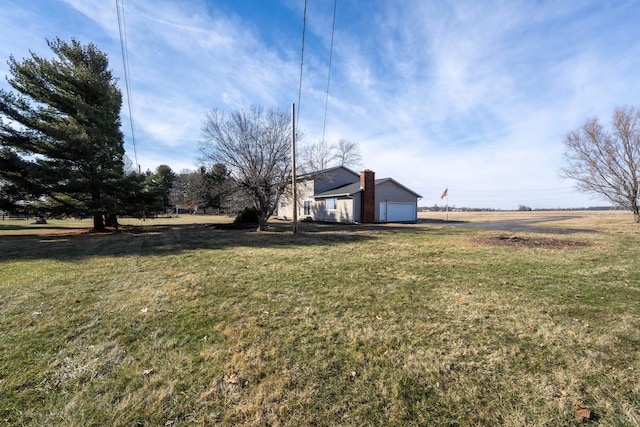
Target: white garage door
(397,212)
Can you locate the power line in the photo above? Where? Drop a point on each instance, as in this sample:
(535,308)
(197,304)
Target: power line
(125,61)
(304,26)
(326,102)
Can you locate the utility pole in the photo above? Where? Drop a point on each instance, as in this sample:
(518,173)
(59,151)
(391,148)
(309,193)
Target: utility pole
(293,169)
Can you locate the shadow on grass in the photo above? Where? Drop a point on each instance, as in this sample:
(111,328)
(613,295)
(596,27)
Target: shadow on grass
(30,227)
(173,239)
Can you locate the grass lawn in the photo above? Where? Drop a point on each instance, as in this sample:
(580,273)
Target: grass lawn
(180,322)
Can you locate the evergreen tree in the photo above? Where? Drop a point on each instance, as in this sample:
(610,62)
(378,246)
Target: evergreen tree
(61,148)
(157,190)
(162,183)
(217,186)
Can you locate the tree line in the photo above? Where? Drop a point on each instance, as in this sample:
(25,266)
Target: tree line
(62,150)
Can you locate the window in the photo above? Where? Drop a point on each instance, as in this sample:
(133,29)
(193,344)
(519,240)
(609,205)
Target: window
(331,204)
(307,207)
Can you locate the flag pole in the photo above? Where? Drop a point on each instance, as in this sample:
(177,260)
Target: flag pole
(446,194)
(447,208)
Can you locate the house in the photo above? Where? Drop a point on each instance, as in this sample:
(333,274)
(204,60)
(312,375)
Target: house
(341,195)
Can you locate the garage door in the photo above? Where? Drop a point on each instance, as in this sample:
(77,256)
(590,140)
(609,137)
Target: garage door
(397,212)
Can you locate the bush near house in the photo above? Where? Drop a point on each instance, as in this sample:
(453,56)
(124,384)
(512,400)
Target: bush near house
(248,216)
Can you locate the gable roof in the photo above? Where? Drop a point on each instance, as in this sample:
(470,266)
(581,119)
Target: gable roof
(327,171)
(354,188)
(344,190)
(383,180)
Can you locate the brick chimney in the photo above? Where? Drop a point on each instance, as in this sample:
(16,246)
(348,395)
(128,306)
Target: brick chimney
(367,183)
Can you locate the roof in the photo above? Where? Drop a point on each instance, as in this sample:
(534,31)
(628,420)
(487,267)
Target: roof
(382,180)
(354,188)
(345,190)
(326,171)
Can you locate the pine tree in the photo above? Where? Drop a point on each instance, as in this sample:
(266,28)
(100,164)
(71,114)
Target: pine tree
(61,148)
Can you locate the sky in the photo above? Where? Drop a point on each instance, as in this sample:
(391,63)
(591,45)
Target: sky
(471,96)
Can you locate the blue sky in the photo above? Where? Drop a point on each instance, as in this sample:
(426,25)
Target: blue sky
(476,96)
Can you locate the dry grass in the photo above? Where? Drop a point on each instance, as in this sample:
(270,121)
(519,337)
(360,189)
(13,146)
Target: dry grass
(609,221)
(18,227)
(187,324)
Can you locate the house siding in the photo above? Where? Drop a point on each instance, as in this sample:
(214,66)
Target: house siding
(321,182)
(389,191)
(348,196)
(342,213)
(357,207)
(305,192)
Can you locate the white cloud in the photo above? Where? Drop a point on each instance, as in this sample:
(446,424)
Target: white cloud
(474,95)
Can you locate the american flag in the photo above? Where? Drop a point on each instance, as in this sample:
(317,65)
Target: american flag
(446,192)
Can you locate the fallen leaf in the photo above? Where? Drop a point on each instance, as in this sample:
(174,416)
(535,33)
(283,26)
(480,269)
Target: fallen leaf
(560,393)
(232,379)
(584,413)
(147,372)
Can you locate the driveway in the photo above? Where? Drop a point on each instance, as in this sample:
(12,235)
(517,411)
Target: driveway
(514,225)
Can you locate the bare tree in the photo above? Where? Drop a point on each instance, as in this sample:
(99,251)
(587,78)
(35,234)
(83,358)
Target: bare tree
(607,162)
(317,156)
(182,193)
(348,153)
(322,155)
(255,146)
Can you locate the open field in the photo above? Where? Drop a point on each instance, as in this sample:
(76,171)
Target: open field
(598,220)
(176,322)
(545,221)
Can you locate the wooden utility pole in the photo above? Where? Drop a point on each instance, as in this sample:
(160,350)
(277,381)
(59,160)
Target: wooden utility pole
(294,192)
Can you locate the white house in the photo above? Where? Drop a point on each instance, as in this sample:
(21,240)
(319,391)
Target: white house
(341,195)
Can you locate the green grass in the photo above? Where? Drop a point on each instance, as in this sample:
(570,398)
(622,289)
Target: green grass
(172,323)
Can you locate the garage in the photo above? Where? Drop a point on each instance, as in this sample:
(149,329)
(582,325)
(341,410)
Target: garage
(398,212)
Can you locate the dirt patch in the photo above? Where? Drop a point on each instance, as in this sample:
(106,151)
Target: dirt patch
(532,242)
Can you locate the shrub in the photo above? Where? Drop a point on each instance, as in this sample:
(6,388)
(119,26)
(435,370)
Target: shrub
(248,216)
